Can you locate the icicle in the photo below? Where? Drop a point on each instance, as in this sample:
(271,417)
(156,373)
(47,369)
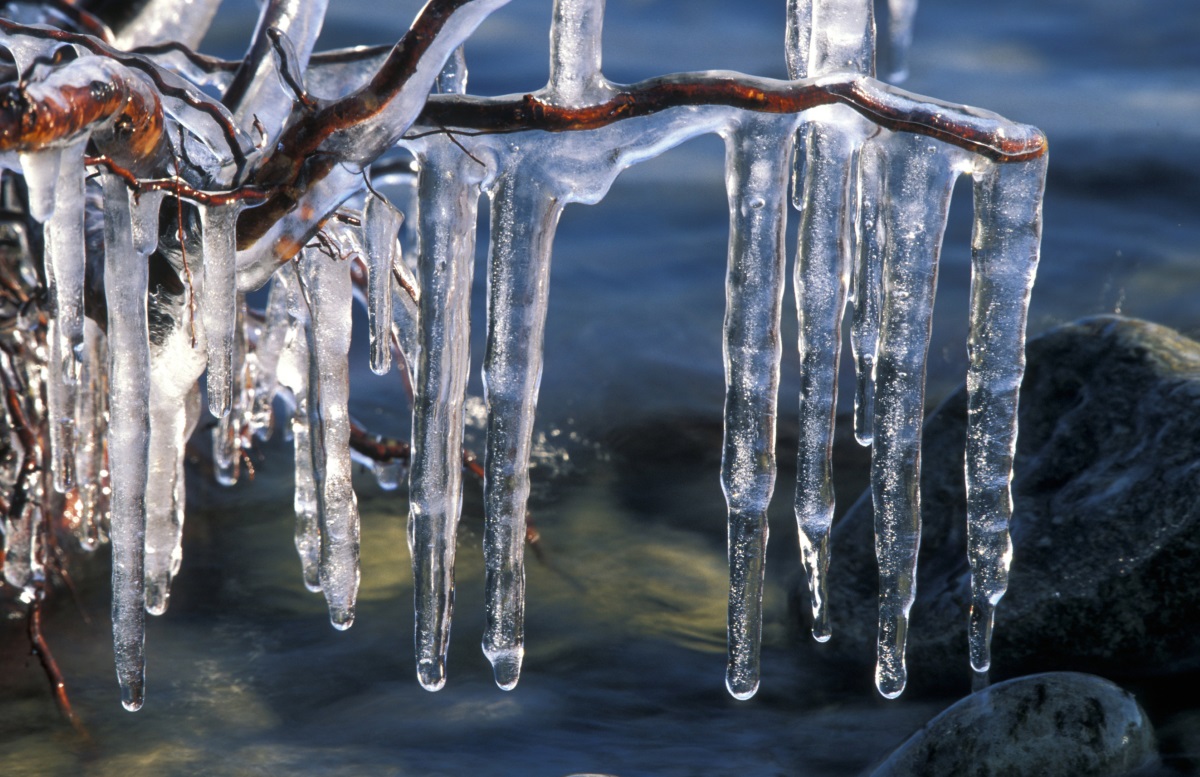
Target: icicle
(226,435)
(90,428)
(448,207)
(830,36)
(65,255)
(868,279)
(821,279)
(218,303)
(901,14)
(575,50)
(388,474)
(65,265)
(756,182)
(226,451)
(523,220)
(329,294)
(823,37)
(453,78)
(41,177)
(406,314)
(145,221)
(293,373)
(920,177)
(271,341)
(381,224)
(175,368)
(125,281)
(60,407)
(1005,243)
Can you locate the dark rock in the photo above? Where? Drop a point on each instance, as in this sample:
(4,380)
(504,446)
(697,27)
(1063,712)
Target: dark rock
(1047,725)
(1106,527)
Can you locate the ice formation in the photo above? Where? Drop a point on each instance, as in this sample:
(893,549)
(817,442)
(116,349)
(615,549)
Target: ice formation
(869,168)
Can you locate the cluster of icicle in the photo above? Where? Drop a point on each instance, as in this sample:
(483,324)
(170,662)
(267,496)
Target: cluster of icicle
(872,206)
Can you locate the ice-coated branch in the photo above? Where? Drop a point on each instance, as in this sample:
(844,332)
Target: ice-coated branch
(221,194)
(972,129)
(89,95)
(147,22)
(329,147)
(257,91)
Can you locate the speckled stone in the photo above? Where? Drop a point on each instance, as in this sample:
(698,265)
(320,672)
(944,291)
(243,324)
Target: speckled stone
(1106,526)
(1049,725)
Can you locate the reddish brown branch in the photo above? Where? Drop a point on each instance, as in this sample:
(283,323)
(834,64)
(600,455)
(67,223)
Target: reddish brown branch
(299,160)
(73,99)
(206,63)
(376,447)
(41,649)
(177,186)
(81,19)
(887,107)
(190,97)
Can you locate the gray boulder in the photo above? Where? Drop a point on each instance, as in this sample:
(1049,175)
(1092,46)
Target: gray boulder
(1106,528)
(1060,724)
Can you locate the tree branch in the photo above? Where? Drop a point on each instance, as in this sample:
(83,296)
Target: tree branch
(894,109)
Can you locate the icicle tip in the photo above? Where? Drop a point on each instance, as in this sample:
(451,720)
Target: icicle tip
(132,697)
(506,665)
(431,673)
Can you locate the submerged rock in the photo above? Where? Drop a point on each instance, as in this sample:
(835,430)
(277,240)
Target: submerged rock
(1106,527)
(1047,725)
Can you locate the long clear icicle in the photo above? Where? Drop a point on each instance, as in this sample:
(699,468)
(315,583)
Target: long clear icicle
(90,427)
(381,224)
(293,373)
(60,407)
(830,36)
(821,280)
(920,176)
(447,213)
(125,280)
(175,368)
(901,14)
(575,53)
(330,295)
(226,439)
(271,342)
(524,217)
(868,286)
(1004,258)
(218,303)
(823,37)
(756,182)
(65,266)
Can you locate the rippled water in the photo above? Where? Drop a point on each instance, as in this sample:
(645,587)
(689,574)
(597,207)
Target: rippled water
(627,612)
